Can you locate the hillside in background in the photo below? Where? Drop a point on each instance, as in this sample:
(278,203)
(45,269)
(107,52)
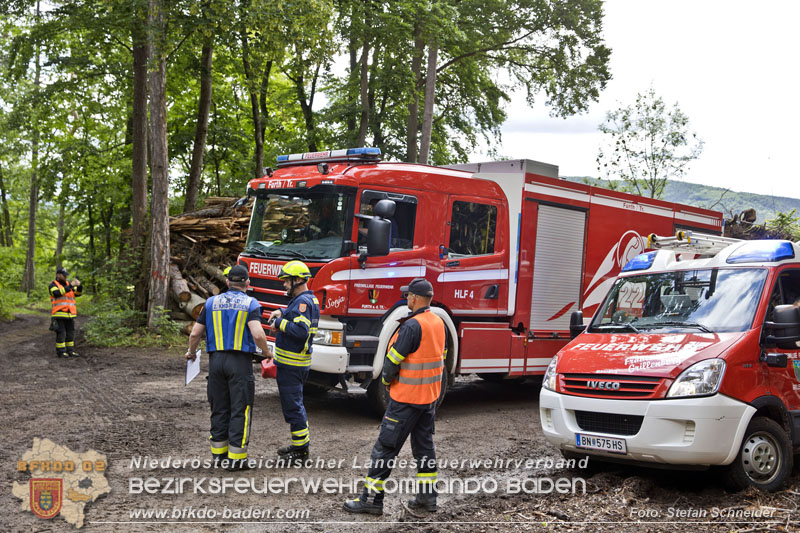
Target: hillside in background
(706,196)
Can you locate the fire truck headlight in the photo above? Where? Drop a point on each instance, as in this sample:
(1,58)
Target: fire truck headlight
(328,336)
(700,379)
(549,381)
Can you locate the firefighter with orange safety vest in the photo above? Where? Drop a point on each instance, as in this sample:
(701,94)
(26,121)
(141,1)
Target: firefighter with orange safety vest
(413,371)
(64,311)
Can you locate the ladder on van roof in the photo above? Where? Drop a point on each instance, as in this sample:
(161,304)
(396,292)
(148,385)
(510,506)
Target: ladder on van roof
(690,242)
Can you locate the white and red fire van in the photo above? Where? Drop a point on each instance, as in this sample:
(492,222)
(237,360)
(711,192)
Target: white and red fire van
(688,362)
(509,247)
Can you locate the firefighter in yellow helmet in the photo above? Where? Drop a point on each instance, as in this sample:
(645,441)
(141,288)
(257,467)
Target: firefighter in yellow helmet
(295,327)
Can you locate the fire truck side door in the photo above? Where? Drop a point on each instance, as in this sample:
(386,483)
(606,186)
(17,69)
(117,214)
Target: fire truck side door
(474,280)
(785,382)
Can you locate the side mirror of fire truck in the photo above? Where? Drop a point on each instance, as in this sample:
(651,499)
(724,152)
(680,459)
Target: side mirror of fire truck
(241,202)
(784,331)
(378,230)
(576,326)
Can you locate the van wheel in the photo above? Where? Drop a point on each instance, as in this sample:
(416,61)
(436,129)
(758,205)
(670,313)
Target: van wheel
(764,460)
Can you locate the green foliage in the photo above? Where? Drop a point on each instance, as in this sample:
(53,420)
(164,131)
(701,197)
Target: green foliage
(785,225)
(114,325)
(647,144)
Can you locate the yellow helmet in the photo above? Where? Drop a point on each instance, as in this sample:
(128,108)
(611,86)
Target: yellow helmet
(294,269)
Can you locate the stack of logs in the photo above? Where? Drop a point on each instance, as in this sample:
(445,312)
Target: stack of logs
(202,244)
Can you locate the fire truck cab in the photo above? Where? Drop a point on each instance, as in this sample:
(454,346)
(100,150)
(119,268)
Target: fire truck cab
(692,359)
(509,247)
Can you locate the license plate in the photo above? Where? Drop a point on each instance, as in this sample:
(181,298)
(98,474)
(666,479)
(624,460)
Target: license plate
(606,444)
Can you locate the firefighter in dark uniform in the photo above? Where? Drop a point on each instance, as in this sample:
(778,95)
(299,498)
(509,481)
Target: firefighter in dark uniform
(413,371)
(64,311)
(231,322)
(295,327)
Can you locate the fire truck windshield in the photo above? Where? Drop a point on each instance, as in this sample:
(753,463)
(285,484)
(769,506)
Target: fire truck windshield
(709,300)
(302,225)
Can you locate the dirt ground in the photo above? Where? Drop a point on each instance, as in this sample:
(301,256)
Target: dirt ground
(132,402)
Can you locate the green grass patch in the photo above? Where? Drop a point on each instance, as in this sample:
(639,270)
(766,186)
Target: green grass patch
(17,303)
(115,326)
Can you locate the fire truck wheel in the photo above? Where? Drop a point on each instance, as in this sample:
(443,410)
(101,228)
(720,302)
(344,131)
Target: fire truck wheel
(764,460)
(378,397)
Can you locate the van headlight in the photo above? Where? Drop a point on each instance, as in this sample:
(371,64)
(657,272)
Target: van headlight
(700,379)
(331,337)
(549,381)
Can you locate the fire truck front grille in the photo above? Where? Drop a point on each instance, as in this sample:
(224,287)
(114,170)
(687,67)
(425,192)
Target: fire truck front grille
(610,385)
(269,292)
(609,423)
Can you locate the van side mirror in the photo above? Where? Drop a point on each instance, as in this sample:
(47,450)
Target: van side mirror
(241,201)
(784,331)
(378,230)
(576,326)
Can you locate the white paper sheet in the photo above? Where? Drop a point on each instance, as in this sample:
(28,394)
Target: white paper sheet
(192,368)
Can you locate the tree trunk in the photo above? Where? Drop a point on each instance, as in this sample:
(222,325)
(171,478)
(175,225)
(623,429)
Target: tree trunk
(362,129)
(60,237)
(196,170)
(263,98)
(7,235)
(29,274)
(430,95)
(254,108)
(159,208)
(213,271)
(193,306)
(139,167)
(413,105)
(178,287)
(92,265)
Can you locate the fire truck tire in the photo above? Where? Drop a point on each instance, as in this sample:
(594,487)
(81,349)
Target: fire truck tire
(764,460)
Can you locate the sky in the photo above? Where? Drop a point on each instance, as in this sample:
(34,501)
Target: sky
(731,66)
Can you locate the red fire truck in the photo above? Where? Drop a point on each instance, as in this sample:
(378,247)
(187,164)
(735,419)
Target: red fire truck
(511,251)
(689,361)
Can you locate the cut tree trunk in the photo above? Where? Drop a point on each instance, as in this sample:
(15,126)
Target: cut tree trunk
(178,287)
(186,326)
(212,271)
(207,285)
(193,306)
(180,316)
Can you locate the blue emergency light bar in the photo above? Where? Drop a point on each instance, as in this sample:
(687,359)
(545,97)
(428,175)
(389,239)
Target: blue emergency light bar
(762,252)
(640,262)
(345,154)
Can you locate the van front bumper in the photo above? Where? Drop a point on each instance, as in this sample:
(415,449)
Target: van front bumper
(689,431)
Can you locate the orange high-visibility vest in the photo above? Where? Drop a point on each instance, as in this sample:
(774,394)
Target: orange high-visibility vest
(420,379)
(64,305)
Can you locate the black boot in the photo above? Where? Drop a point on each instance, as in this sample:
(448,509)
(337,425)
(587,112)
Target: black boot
(237,465)
(285,450)
(365,504)
(74,354)
(296,455)
(423,501)
(217,458)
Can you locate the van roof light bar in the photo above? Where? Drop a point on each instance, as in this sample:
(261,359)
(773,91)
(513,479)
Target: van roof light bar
(688,241)
(363,155)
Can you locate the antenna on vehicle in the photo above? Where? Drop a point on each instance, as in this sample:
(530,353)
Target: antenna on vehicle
(688,241)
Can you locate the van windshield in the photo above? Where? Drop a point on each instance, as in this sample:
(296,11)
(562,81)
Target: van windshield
(305,225)
(709,300)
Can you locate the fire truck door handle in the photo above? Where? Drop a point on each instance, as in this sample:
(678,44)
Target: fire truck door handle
(492,292)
